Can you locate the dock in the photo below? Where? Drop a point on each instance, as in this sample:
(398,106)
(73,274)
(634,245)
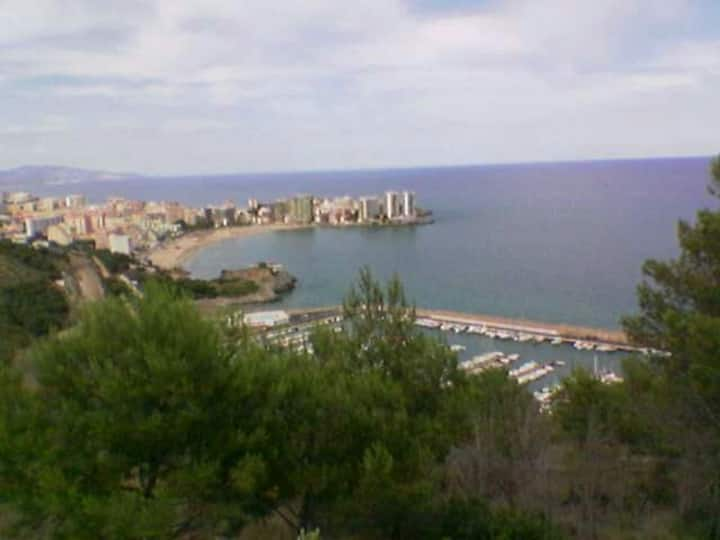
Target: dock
(565,332)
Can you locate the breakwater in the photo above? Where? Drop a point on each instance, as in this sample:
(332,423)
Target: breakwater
(567,333)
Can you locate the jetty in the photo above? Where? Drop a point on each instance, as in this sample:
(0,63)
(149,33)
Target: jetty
(505,327)
(566,332)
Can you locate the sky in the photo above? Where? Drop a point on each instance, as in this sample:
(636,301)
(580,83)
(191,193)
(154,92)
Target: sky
(221,86)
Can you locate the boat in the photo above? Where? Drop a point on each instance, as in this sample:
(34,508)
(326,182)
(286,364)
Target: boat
(522,370)
(556,341)
(524,338)
(427,323)
(513,357)
(610,378)
(482,362)
(504,361)
(445,327)
(457,347)
(535,374)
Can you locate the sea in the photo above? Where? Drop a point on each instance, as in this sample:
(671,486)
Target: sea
(558,242)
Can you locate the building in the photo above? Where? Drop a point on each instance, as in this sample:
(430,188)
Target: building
(301,209)
(120,243)
(392,204)
(19,197)
(369,209)
(279,210)
(75,201)
(79,223)
(60,234)
(48,204)
(39,225)
(266,319)
(408,205)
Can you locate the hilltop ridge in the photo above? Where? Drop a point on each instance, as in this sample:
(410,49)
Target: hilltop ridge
(56,174)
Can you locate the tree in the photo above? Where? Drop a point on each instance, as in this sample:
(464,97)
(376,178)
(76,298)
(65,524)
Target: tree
(680,313)
(133,416)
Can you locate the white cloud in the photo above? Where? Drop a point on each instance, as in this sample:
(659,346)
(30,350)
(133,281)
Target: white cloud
(369,83)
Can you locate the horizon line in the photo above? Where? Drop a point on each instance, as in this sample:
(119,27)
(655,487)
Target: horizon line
(366,169)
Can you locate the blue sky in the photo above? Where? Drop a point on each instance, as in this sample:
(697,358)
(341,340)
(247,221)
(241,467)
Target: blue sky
(180,86)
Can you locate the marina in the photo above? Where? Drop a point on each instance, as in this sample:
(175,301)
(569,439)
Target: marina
(581,338)
(537,355)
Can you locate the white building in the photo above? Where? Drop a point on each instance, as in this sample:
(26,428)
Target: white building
(265,319)
(408,204)
(19,197)
(120,243)
(392,204)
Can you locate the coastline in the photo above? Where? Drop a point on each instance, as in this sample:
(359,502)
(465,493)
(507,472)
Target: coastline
(176,252)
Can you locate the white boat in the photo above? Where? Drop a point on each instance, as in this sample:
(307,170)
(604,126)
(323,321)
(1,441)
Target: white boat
(610,378)
(524,338)
(583,346)
(481,362)
(457,347)
(535,374)
(513,357)
(556,341)
(427,323)
(445,327)
(522,370)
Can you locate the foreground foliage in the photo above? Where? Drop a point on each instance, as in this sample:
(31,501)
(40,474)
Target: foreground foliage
(145,421)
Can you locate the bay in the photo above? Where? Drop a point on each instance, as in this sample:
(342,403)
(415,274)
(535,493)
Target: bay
(561,242)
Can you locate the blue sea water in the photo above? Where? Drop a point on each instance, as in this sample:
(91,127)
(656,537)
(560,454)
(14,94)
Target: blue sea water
(560,242)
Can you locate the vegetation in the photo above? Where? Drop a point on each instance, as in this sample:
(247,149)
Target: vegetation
(30,303)
(145,422)
(115,263)
(209,288)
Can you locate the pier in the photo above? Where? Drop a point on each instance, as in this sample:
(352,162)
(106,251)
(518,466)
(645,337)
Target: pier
(564,332)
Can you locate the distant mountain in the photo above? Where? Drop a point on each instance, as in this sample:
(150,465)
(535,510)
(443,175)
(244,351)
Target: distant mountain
(34,175)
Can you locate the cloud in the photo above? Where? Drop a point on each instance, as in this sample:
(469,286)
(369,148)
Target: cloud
(372,83)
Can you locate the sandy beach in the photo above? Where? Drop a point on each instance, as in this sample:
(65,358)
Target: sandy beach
(175,253)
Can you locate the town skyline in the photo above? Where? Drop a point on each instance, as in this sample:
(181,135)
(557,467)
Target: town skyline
(126,225)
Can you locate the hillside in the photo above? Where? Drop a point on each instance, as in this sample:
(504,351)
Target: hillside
(13,272)
(31,305)
(34,175)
